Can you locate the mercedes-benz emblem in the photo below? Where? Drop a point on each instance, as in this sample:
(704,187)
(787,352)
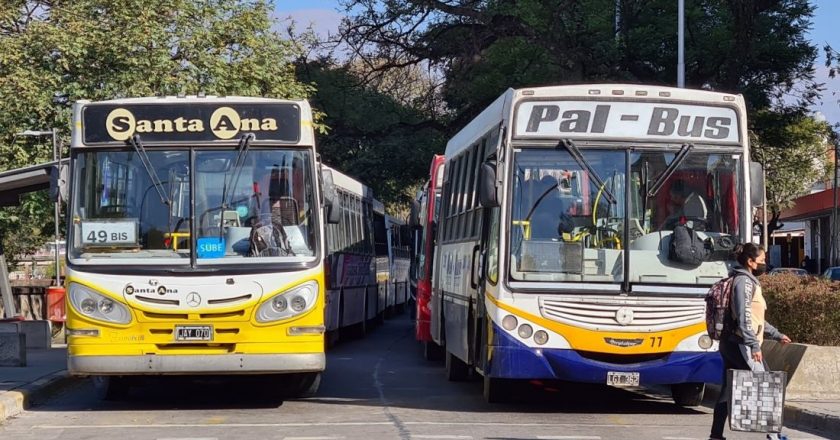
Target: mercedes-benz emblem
(624,316)
(193,299)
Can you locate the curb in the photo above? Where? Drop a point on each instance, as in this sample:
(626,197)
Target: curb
(15,401)
(794,416)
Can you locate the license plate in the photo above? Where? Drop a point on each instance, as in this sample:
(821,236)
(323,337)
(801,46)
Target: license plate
(194,333)
(617,379)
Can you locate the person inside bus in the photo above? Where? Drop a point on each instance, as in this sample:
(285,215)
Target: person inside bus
(549,214)
(685,206)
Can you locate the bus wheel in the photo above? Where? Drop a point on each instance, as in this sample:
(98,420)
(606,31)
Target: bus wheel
(432,351)
(305,384)
(688,394)
(110,387)
(456,369)
(497,390)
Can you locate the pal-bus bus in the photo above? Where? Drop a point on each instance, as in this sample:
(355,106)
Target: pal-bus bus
(557,213)
(196,240)
(426,222)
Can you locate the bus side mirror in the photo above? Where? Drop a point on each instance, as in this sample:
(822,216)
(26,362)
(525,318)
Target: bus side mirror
(756,184)
(487,185)
(333,213)
(58,182)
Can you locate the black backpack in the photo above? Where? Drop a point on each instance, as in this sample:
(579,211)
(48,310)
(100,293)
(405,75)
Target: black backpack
(687,248)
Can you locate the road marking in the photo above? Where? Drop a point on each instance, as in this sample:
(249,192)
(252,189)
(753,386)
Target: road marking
(568,437)
(442,436)
(338,424)
(312,438)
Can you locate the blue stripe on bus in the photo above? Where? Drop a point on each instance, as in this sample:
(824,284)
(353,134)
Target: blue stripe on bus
(509,358)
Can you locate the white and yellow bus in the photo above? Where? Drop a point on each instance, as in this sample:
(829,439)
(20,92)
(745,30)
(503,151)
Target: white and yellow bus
(559,205)
(196,240)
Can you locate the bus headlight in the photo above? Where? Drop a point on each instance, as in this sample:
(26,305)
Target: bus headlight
(525,331)
(509,322)
(541,337)
(94,305)
(292,302)
(705,342)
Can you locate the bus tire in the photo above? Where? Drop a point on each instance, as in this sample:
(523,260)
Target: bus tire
(456,369)
(305,384)
(110,387)
(688,394)
(497,390)
(432,352)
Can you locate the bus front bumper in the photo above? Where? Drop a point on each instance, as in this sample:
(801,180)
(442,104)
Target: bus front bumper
(196,364)
(510,358)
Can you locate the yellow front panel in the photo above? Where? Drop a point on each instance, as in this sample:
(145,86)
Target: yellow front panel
(235,330)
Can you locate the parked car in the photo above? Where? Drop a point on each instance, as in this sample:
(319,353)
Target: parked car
(789,270)
(832,273)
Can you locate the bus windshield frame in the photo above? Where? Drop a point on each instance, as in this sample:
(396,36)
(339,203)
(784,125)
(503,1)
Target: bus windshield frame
(587,230)
(201,210)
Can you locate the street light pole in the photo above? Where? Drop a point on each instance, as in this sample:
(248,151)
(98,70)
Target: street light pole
(681,44)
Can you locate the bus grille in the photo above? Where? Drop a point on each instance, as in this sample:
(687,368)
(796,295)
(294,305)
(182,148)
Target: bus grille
(624,314)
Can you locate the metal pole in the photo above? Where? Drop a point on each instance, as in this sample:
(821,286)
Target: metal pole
(57,157)
(764,237)
(681,44)
(833,245)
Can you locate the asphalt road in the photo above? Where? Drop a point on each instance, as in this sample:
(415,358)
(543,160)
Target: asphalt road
(375,388)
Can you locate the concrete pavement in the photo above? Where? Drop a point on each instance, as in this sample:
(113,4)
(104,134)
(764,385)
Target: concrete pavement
(19,386)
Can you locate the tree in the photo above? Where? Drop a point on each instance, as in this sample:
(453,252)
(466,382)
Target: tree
(375,137)
(794,150)
(56,52)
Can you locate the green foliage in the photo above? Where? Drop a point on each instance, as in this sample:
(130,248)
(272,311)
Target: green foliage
(807,309)
(57,52)
(378,140)
(794,150)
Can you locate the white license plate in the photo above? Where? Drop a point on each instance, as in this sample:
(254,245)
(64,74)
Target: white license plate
(617,379)
(194,333)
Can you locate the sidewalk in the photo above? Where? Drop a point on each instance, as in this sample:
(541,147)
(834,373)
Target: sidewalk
(822,416)
(46,369)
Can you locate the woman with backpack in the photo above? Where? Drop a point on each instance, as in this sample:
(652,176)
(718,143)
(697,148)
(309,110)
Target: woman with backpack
(745,329)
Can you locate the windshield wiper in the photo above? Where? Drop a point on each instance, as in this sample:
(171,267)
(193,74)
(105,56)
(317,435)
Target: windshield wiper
(150,170)
(238,165)
(574,151)
(678,160)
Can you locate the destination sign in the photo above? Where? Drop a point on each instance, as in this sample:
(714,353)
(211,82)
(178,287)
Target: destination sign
(627,120)
(190,122)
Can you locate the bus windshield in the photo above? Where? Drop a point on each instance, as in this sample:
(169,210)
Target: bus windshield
(260,210)
(569,216)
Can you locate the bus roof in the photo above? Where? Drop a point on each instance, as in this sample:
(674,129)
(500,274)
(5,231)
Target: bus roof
(192,120)
(501,111)
(349,184)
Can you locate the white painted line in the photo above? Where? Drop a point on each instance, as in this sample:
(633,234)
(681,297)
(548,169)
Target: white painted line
(312,438)
(442,436)
(338,424)
(568,437)
(188,438)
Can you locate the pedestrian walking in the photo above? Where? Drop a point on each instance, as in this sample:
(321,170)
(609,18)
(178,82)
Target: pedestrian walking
(745,328)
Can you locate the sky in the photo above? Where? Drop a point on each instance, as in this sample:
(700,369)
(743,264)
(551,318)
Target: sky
(324,16)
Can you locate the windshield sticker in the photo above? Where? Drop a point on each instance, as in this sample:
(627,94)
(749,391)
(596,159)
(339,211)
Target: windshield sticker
(211,247)
(627,120)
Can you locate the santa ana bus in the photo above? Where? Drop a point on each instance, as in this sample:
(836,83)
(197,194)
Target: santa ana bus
(558,210)
(196,240)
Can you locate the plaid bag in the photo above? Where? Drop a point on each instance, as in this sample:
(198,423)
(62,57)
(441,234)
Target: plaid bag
(757,402)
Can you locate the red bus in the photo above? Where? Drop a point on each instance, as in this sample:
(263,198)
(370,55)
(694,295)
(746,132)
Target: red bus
(429,201)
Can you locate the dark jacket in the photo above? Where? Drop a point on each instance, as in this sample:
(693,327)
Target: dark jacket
(743,289)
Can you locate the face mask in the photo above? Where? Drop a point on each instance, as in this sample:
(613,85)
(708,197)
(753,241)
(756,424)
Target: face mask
(760,270)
